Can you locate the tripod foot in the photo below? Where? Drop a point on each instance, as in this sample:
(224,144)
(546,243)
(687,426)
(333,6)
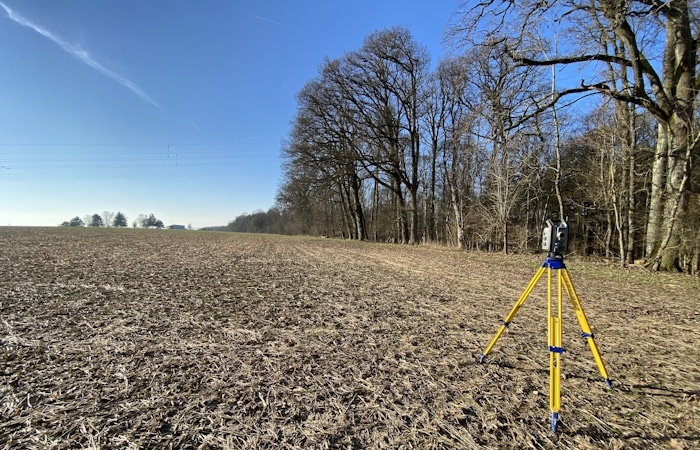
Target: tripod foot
(608,383)
(555,421)
(481,359)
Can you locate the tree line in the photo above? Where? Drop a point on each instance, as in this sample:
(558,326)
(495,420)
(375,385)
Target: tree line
(478,151)
(110,219)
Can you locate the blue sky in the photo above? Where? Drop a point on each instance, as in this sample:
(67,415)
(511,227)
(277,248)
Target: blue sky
(176,108)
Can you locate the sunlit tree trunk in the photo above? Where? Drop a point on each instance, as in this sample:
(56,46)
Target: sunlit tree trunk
(656,196)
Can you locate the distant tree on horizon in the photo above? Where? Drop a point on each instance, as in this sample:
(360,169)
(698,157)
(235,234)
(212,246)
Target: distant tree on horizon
(108,217)
(74,222)
(96,221)
(149,221)
(120,221)
(139,221)
(153,222)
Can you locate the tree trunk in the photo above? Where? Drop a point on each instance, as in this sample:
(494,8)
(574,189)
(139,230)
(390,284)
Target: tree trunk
(679,77)
(668,257)
(413,207)
(430,229)
(695,265)
(375,210)
(414,237)
(608,234)
(457,210)
(402,233)
(656,197)
(360,229)
(631,194)
(527,222)
(347,210)
(677,198)
(616,197)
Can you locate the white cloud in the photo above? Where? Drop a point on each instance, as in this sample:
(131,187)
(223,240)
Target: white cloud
(79,53)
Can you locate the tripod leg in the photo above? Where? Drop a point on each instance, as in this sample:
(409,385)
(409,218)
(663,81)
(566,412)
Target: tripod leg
(585,328)
(554,337)
(513,311)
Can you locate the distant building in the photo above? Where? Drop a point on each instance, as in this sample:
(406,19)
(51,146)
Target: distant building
(176,227)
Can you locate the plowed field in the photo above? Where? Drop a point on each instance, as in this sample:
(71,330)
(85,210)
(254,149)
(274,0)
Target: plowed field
(181,339)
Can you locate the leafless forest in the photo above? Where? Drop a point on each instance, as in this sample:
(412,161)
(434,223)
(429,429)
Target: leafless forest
(541,108)
(118,338)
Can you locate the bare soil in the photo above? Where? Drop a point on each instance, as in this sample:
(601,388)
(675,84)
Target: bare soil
(180,339)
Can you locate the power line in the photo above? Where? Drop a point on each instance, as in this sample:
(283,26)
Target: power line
(41,156)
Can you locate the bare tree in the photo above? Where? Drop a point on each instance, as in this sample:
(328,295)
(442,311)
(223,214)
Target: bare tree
(384,81)
(669,94)
(502,92)
(321,146)
(455,116)
(108,218)
(433,120)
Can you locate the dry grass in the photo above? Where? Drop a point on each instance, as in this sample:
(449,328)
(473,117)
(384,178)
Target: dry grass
(166,339)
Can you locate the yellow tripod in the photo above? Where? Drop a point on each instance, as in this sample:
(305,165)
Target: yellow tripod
(555,262)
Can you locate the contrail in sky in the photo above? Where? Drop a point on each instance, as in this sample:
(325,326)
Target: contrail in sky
(79,53)
(272,21)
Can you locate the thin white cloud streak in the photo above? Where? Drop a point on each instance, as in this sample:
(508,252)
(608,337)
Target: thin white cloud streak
(194,125)
(272,21)
(79,53)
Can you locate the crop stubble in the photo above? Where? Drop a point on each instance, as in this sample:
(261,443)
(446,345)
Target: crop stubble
(168,339)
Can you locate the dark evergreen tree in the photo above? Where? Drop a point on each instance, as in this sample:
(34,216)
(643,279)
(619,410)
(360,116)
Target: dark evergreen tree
(96,221)
(120,220)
